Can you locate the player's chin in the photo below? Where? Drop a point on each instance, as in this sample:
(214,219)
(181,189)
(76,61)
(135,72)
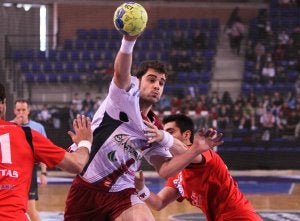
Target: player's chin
(154,99)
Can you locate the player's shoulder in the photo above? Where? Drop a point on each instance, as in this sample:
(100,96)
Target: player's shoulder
(8,124)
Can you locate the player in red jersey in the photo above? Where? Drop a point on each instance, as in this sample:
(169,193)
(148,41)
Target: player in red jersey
(21,147)
(206,184)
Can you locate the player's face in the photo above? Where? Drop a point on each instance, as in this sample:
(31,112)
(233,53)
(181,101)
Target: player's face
(22,111)
(2,109)
(172,128)
(152,85)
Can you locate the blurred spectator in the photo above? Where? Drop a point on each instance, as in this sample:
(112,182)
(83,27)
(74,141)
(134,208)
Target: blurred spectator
(290,99)
(268,73)
(295,35)
(237,115)
(283,38)
(280,124)
(98,102)
(77,102)
(214,100)
(88,102)
(198,61)
(223,116)
(232,18)
(199,39)
(297,87)
(164,103)
(277,102)
(87,111)
(201,114)
(227,100)
(291,122)
(44,115)
(261,24)
(236,35)
(267,121)
(248,119)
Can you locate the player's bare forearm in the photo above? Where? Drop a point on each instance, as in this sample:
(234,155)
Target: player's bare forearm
(122,70)
(179,148)
(168,168)
(123,62)
(74,162)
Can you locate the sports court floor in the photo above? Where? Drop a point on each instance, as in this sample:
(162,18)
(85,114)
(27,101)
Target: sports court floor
(274,194)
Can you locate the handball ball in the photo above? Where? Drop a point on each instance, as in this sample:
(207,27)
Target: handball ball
(130,18)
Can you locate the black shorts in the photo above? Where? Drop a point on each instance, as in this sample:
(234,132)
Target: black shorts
(33,190)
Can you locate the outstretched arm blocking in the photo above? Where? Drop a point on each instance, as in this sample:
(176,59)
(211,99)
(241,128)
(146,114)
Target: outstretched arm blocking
(74,162)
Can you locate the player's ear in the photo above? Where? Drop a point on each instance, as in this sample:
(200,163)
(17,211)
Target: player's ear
(187,135)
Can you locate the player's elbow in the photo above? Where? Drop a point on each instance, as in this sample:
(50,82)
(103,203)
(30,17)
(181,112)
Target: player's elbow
(164,174)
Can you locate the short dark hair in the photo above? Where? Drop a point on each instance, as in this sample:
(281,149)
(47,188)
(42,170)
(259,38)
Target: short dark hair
(2,93)
(22,100)
(183,122)
(154,64)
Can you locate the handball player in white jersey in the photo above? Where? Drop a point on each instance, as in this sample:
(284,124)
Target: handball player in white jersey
(105,189)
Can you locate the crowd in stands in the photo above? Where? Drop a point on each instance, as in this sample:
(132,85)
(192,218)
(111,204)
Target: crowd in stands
(269,103)
(270,115)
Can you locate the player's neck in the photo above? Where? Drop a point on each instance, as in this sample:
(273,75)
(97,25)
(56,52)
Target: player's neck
(145,109)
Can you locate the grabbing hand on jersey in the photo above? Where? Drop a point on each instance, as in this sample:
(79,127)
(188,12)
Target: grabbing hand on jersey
(153,133)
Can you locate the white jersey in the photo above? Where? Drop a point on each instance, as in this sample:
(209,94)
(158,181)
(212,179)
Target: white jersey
(119,143)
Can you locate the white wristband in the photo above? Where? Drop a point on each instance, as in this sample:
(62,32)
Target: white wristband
(144,193)
(127,46)
(168,140)
(85,143)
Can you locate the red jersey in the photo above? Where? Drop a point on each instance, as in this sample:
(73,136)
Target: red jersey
(16,162)
(210,187)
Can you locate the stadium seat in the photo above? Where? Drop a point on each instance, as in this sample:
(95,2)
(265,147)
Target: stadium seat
(47,67)
(86,55)
(18,55)
(74,55)
(91,44)
(41,55)
(25,66)
(41,78)
(68,44)
(82,33)
(79,44)
(58,67)
(103,33)
(69,66)
(81,66)
(63,55)
(52,55)
(36,67)
(29,77)
(51,78)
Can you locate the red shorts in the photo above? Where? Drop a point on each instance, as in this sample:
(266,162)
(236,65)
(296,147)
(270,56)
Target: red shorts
(87,202)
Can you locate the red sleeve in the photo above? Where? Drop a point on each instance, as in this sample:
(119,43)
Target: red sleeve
(45,151)
(170,183)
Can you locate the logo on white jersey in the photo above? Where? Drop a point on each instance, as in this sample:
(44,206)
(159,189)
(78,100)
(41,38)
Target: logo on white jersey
(111,156)
(132,147)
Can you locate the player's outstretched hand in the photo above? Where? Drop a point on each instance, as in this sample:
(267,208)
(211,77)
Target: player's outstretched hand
(206,139)
(82,129)
(139,180)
